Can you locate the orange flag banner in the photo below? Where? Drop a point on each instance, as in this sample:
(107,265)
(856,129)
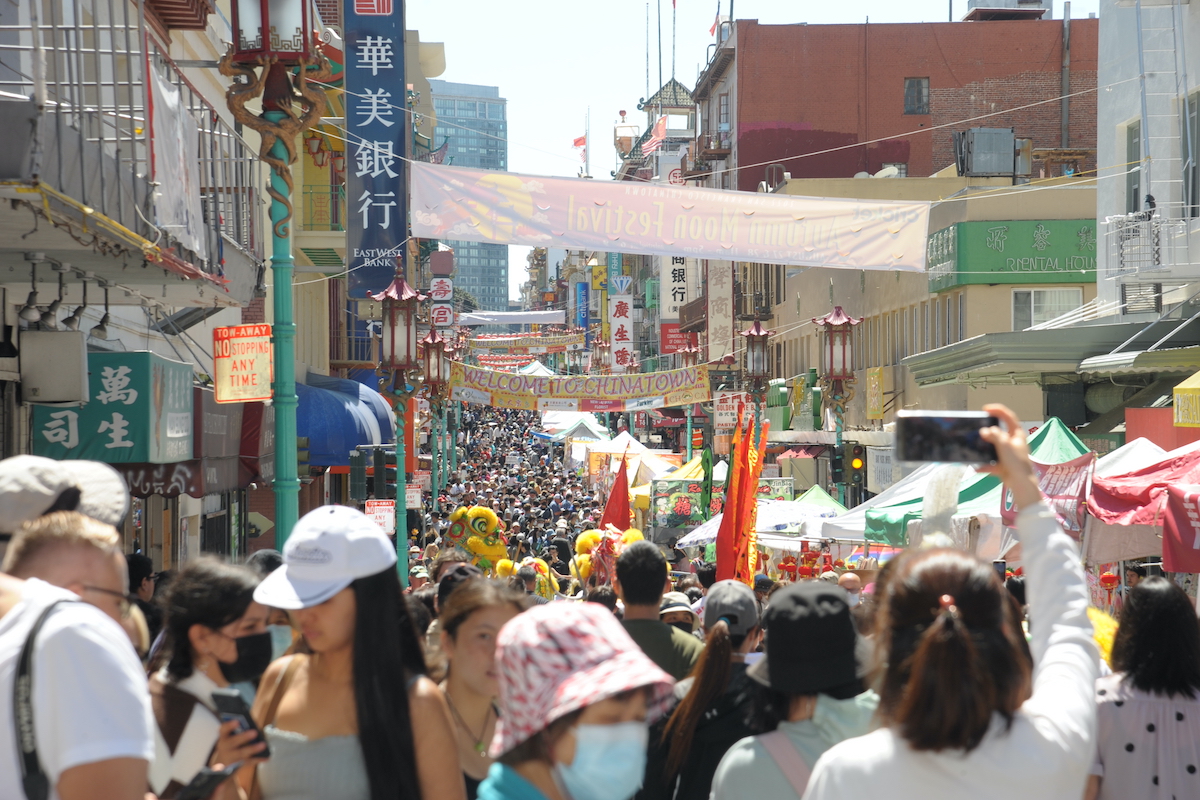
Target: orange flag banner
(728,533)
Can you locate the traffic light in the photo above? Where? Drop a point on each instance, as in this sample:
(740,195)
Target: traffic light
(837,462)
(302,455)
(697,438)
(856,464)
(358,475)
(381,484)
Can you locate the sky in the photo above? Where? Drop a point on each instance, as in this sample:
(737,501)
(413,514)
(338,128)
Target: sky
(556,60)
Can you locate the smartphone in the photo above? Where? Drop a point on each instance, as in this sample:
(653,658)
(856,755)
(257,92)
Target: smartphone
(231,705)
(1001,567)
(948,436)
(207,781)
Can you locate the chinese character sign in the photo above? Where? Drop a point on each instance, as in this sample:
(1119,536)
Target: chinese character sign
(720,310)
(614,265)
(441,290)
(620,327)
(674,282)
(441,314)
(376,121)
(141,412)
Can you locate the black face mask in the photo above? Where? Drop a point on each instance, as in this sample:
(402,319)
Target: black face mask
(253,658)
(686,627)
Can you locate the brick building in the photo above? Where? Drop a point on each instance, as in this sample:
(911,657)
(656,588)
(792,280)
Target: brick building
(774,92)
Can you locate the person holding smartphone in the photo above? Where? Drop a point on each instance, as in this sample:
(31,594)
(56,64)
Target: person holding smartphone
(966,709)
(214,635)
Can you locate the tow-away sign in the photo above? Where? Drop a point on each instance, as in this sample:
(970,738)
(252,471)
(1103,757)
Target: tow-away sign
(242,364)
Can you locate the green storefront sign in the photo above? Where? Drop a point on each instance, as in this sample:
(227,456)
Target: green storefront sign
(1012,251)
(140,412)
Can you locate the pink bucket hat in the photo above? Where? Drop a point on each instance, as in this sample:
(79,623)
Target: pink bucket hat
(560,657)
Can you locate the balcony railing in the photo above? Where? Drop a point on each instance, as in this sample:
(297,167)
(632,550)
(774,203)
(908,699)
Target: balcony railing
(324,208)
(96,131)
(716,144)
(1143,242)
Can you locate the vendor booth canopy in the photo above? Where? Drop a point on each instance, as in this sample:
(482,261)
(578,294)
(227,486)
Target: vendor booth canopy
(774,516)
(1126,510)
(536,368)
(639,496)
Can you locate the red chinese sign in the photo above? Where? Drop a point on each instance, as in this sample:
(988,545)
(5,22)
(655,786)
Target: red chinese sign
(441,289)
(441,314)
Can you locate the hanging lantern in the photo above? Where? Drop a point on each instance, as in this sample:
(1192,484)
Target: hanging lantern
(272,29)
(688,356)
(1109,582)
(433,347)
(837,329)
(339,161)
(756,362)
(399,337)
(312,142)
(321,157)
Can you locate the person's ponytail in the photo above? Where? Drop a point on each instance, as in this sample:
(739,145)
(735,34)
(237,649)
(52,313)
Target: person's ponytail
(710,679)
(950,695)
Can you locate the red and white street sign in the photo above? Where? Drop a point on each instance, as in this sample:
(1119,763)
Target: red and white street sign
(383,514)
(441,289)
(242,365)
(441,314)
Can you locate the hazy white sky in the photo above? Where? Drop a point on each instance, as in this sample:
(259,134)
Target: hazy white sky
(555,59)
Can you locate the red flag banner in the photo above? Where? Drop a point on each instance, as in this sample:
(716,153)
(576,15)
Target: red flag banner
(1181,529)
(658,135)
(580,141)
(727,534)
(616,510)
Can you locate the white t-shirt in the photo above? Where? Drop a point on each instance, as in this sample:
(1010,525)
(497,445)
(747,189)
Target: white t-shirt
(90,701)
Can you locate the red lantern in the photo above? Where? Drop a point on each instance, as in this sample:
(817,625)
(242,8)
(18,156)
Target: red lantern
(839,564)
(399,325)
(837,328)
(1108,582)
(805,571)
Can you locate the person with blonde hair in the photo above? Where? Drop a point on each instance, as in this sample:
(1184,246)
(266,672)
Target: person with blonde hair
(89,709)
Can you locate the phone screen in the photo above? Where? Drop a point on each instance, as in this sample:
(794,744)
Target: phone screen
(1001,567)
(231,706)
(946,436)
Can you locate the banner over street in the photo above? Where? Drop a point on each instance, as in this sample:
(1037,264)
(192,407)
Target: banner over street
(618,216)
(579,392)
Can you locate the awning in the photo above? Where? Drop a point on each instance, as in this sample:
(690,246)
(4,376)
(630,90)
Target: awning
(513,318)
(1177,360)
(811,451)
(337,416)
(196,478)
(1187,403)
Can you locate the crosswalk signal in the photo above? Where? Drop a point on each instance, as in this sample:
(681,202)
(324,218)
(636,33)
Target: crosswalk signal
(358,475)
(837,462)
(302,455)
(856,464)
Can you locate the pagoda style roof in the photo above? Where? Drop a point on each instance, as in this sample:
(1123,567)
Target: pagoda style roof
(673,94)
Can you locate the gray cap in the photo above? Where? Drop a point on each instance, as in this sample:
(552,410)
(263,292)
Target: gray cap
(31,486)
(734,602)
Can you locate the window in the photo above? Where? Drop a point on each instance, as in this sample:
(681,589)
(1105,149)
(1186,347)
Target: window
(916,95)
(925,344)
(495,111)
(1035,306)
(962,316)
(466,108)
(1191,173)
(723,114)
(1133,179)
(901,168)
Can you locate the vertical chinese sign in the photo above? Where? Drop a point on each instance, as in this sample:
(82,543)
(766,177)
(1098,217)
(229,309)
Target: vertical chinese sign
(376,125)
(581,304)
(720,310)
(620,322)
(674,279)
(140,412)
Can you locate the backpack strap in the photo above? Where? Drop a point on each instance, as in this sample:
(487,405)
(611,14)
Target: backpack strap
(277,693)
(34,780)
(785,755)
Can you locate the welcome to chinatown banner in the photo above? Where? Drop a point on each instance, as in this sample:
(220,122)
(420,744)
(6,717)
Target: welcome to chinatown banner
(620,216)
(675,387)
(552,343)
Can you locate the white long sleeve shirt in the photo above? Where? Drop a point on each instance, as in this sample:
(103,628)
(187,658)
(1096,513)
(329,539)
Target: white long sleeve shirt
(1049,749)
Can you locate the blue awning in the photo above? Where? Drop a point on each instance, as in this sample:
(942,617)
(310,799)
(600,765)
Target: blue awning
(338,415)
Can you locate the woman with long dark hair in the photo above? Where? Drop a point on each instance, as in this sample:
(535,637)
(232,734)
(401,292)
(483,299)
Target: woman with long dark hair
(713,701)
(965,711)
(1149,709)
(357,719)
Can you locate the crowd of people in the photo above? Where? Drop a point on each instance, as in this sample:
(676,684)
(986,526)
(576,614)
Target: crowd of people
(314,673)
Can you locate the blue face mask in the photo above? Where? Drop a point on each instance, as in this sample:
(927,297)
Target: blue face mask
(609,764)
(281,639)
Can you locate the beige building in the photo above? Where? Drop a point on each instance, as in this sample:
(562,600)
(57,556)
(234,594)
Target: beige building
(1001,258)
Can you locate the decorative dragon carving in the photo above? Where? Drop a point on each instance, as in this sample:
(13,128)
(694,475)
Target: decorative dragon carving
(286,90)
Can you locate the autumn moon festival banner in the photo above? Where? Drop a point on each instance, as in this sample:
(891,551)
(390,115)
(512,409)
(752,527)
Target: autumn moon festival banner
(619,216)
(533,343)
(579,392)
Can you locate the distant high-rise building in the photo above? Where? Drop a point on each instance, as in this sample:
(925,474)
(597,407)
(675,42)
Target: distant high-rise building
(473,120)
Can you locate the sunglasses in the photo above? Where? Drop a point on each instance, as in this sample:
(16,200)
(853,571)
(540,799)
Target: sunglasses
(126,603)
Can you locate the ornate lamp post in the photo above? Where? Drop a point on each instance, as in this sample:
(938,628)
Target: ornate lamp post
(399,368)
(688,357)
(837,373)
(434,349)
(756,366)
(274,54)
(451,419)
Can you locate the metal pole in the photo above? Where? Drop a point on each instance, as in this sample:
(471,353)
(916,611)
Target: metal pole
(401,485)
(838,422)
(454,437)
(434,444)
(689,431)
(283,334)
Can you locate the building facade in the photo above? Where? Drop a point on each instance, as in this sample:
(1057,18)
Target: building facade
(472,122)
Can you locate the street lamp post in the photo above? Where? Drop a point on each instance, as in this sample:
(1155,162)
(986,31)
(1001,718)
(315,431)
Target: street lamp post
(601,364)
(837,378)
(274,54)
(399,370)
(688,357)
(756,366)
(434,348)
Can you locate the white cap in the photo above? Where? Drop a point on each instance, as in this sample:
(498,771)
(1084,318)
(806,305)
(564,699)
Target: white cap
(32,485)
(330,548)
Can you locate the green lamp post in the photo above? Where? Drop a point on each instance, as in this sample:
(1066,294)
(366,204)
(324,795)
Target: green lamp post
(275,54)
